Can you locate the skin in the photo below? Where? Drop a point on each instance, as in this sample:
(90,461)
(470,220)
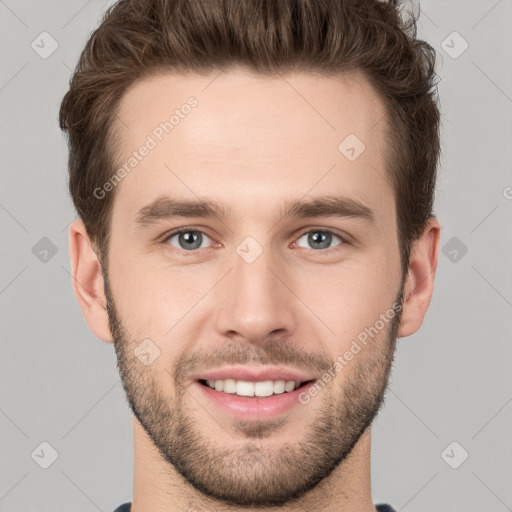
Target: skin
(253,143)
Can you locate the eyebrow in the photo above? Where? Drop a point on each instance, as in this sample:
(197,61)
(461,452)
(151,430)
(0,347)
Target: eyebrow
(165,208)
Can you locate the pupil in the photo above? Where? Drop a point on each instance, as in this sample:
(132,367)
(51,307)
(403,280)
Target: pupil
(318,236)
(190,237)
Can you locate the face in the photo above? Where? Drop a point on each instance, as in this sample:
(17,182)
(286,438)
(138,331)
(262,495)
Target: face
(245,298)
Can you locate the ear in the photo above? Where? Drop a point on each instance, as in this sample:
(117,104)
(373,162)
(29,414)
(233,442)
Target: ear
(88,281)
(419,284)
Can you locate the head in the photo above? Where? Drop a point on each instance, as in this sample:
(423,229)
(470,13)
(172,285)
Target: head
(316,118)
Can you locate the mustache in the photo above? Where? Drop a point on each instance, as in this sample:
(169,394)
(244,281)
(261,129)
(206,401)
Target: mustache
(275,353)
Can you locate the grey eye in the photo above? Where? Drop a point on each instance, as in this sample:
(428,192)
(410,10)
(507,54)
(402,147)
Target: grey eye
(319,239)
(188,239)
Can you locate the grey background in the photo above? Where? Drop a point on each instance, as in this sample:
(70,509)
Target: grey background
(451,382)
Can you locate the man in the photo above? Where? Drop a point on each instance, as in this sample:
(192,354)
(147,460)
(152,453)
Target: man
(255,182)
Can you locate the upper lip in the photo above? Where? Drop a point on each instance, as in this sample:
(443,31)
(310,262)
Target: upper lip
(256,374)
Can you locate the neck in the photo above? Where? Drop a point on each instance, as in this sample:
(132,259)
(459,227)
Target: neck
(158,487)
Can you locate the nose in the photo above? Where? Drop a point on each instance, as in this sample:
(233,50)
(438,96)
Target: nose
(256,301)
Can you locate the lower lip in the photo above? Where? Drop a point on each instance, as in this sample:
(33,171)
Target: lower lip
(254,408)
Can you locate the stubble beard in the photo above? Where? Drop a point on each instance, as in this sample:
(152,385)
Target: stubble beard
(247,471)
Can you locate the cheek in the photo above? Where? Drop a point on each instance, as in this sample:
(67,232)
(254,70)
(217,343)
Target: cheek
(352,296)
(159,302)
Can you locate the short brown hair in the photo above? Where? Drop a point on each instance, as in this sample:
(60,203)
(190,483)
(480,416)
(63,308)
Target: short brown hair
(139,38)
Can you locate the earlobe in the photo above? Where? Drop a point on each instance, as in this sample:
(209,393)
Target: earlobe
(419,284)
(87,281)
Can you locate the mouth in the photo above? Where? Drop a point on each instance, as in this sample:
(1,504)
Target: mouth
(251,389)
(249,401)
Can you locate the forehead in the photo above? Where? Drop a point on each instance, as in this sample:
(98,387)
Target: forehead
(264,136)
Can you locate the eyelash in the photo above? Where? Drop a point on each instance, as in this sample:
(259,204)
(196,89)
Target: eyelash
(186,229)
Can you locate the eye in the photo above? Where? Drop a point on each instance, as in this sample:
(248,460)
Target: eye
(320,238)
(187,239)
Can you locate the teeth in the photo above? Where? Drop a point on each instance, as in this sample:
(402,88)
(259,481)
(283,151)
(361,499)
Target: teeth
(246,388)
(290,386)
